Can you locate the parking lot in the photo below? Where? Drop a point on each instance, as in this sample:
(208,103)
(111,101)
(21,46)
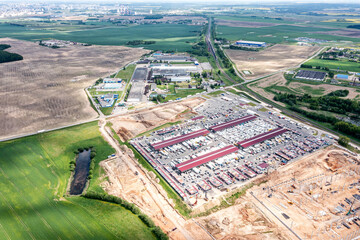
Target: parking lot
(229,142)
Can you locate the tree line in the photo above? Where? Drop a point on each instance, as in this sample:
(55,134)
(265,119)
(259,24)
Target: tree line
(159,234)
(7,56)
(325,103)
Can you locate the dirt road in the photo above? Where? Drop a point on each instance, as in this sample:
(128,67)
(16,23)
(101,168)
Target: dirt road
(128,180)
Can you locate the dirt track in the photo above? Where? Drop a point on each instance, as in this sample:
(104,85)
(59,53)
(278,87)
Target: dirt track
(46,89)
(271,59)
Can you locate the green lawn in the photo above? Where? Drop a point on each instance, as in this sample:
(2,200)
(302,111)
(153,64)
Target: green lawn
(331,64)
(182,93)
(34,173)
(127,73)
(216,93)
(167,36)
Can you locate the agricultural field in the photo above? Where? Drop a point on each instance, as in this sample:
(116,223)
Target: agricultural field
(34,175)
(168,37)
(46,89)
(271,59)
(342,65)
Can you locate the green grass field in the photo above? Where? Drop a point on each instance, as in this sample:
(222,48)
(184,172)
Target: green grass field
(127,73)
(34,173)
(277,34)
(167,36)
(331,64)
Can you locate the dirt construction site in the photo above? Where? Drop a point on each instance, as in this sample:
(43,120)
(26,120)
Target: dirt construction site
(46,89)
(316,197)
(270,60)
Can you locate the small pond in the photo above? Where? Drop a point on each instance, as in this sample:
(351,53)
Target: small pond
(81,173)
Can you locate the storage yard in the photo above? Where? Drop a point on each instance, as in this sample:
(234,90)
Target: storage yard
(225,146)
(317,197)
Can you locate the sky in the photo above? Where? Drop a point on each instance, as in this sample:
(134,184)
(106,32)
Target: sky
(192,1)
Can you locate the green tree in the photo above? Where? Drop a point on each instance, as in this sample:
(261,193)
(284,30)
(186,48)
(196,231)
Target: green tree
(344,141)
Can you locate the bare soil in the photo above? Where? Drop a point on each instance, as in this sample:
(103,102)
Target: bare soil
(309,190)
(272,59)
(344,33)
(46,89)
(131,125)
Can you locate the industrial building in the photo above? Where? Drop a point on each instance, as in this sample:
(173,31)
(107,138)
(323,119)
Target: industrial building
(206,158)
(164,57)
(311,75)
(107,100)
(232,123)
(179,139)
(242,43)
(342,77)
(262,137)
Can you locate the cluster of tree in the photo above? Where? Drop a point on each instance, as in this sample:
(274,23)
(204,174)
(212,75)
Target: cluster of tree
(341,126)
(245,48)
(199,49)
(131,207)
(344,141)
(328,103)
(140,42)
(127,93)
(317,67)
(7,56)
(357,26)
(100,80)
(339,93)
(154,17)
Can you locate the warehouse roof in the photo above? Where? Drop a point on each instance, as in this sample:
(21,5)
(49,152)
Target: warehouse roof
(262,137)
(206,158)
(232,123)
(179,139)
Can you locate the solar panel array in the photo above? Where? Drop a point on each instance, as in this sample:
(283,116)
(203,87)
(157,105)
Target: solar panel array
(313,75)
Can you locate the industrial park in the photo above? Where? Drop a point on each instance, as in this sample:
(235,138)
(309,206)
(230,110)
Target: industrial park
(180,120)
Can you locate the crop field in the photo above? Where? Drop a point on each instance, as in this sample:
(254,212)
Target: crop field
(336,65)
(34,174)
(279,33)
(46,89)
(167,36)
(271,59)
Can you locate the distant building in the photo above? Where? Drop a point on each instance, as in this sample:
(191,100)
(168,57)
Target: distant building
(107,100)
(342,77)
(242,43)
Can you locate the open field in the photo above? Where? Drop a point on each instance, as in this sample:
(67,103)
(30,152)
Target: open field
(309,190)
(232,23)
(277,83)
(133,124)
(167,36)
(271,59)
(34,176)
(336,65)
(46,89)
(282,33)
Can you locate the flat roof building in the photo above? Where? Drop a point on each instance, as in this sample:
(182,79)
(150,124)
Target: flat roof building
(311,75)
(250,43)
